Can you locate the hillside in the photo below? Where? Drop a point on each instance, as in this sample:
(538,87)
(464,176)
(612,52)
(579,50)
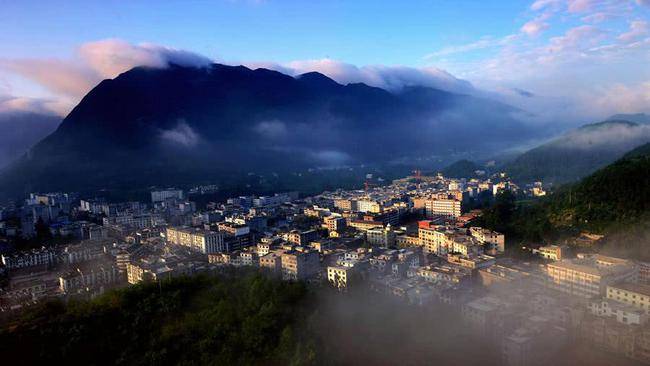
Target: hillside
(461,169)
(238,317)
(178,125)
(614,201)
(578,153)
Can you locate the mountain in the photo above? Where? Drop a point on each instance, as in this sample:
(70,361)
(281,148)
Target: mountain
(461,169)
(578,153)
(616,194)
(640,118)
(614,201)
(181,125)
(21,130)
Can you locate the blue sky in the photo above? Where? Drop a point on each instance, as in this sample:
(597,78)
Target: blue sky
(578,56)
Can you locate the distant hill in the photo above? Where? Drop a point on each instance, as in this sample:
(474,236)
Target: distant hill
(636,117)
(461,169)
(614,201)
(21,130)
(578,153)
(182,125)
(618,194)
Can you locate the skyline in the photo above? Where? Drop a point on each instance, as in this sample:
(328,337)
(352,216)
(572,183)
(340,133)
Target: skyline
(578,59)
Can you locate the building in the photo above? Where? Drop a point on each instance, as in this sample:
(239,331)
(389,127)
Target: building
(624,313)
(585,278)
(302,237)
(443,207)
(493,241)
(380,236)
(340,276)
(633,294)
(88,277)
(345,204)
(552,252)
(204,241)
(334,223)
(35,257)
(161,196)
(369,206)
(272,262)
(300,265)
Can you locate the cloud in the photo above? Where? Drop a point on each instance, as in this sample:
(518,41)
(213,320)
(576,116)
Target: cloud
(111,57)
(638,29)
(331,157)
(272,129)
(182,135)
(387,77)
(13,104)
(643,2)
(620,98)
(70,79)
(534,27)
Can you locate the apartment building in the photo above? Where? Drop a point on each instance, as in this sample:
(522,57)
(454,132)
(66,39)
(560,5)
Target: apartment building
(584,278)
(552,252)
(493,241)
(204,241)
(300,265)
(634,294)
(443,207)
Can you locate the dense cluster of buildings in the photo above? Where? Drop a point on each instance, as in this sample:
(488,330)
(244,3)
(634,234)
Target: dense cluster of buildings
(412,239)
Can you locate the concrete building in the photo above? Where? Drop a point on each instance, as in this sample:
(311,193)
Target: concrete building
(35,257)
(300,265)
(584,278)
(634,294)
(204,241)
(493,241)
(88,277)
(443,207)
(380,236)
(161,196)
(552,252)
(272,262)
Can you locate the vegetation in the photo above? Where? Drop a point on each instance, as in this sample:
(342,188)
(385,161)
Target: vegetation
(614,200)
(235,318)
(461,169)
(578,153)
(239,317)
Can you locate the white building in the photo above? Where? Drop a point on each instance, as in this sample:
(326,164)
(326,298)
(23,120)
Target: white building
(161,196)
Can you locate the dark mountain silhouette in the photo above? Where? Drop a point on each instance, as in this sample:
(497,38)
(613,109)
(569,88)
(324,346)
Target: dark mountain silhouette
(578,153)
(21,130)
(634,117)
(178,125)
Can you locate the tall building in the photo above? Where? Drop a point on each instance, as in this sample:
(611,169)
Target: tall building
(204,241)
(161,196)
(443,207)
(300,265)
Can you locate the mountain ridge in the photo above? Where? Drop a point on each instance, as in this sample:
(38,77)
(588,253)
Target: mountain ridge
(178,124)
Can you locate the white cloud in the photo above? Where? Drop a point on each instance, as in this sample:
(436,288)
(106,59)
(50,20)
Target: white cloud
(638,29)
(111,57)
(534,27)
(181,135)
(271,129)
(388,77)
(70,79)
(11,104)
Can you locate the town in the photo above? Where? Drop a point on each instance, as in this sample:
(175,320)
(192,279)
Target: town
(413,239)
